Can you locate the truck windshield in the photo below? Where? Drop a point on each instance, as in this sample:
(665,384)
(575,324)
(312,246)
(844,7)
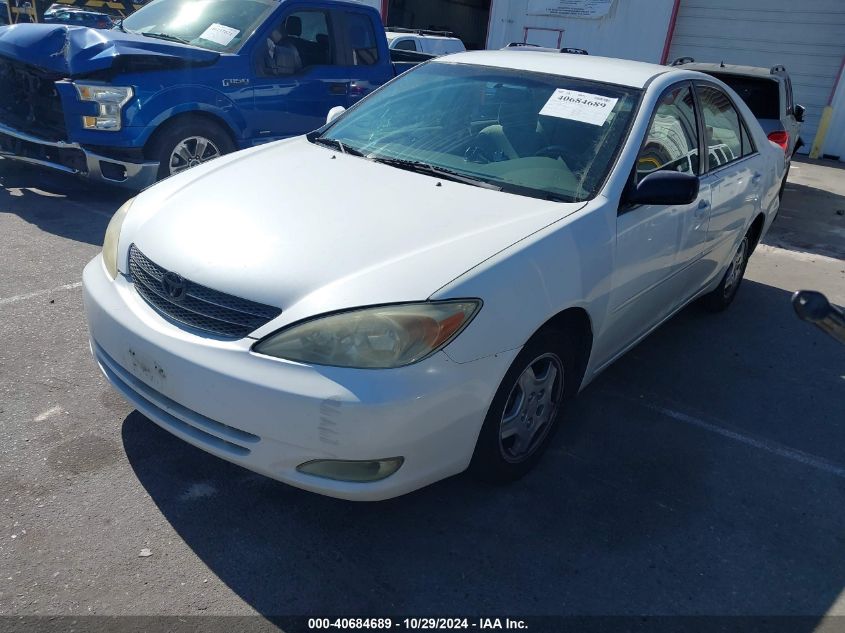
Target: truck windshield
(219,25)
(532,134)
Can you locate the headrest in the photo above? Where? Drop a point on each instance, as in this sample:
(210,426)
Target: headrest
(517,109)
(293,26)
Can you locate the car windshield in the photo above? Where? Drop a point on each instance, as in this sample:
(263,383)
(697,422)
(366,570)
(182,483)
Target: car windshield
(219,25)
(762,96)
(544,136)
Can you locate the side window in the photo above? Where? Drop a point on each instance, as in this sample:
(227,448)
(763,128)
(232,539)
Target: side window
(303,39)
(722,127)
(747,144)
(361,38)
(672,139)
(406,45)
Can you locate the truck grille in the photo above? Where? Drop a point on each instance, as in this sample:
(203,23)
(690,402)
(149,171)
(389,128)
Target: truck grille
(194,305)
(29,101)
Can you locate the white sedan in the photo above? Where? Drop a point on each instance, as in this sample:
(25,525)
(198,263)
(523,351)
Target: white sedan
(417,288)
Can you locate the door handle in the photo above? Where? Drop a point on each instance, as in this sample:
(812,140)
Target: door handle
(756,178)
(703,204)
(338,88)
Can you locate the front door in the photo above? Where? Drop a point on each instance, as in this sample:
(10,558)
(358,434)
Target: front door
(300,74)
(655,244)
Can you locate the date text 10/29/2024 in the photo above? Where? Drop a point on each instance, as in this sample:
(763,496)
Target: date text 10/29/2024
(417,624)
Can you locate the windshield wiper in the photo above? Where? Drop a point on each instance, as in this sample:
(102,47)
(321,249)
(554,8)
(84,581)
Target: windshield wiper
(334,143)
(165,36)
(439,172)
(121,27)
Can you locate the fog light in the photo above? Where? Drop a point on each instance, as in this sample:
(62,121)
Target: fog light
(359,472)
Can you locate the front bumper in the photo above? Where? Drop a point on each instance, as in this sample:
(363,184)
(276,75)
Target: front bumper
(72,158)
(270,416)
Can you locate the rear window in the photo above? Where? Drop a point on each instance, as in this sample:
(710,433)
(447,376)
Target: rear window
(761,95)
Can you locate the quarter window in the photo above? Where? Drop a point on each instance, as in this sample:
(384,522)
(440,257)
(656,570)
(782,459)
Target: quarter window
(723,128)
(672,140)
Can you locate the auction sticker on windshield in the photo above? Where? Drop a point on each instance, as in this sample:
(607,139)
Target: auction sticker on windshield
(579,106)
(220,34)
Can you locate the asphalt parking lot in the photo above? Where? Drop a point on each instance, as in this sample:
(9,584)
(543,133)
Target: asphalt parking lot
(703,474)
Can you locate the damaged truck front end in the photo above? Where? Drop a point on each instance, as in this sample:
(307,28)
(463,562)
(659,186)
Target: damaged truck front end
(61,105)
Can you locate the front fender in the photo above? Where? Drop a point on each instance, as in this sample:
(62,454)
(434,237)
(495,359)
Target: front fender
(170,102)
(568,264)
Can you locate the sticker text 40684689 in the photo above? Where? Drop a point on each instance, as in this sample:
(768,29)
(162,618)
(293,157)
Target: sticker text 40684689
(579,106)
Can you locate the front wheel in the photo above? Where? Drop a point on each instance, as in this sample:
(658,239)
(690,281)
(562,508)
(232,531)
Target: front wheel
(526,408)
(187,144)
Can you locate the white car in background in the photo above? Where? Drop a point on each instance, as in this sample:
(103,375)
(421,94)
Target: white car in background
(423,41)
(277,309)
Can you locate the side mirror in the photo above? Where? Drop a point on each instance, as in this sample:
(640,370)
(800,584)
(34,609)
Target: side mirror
(665,187)
(334,113)
(799,112)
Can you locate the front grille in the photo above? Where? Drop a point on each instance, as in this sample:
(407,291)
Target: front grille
(29,101)
(198,306)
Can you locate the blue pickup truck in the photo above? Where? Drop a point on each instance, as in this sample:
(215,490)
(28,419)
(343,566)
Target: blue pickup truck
(181,82)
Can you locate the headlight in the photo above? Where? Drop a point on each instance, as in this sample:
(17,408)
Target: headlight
(373,338)
(113,237)
(110,100)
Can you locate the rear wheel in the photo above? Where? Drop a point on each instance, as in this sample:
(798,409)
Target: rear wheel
(526,408)
(724,295)
(783,184)
(189,143)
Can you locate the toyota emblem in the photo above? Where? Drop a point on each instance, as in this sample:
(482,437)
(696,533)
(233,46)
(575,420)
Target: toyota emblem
(175,286)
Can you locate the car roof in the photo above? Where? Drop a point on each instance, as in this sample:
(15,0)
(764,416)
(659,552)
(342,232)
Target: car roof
(622,72)
(731,69)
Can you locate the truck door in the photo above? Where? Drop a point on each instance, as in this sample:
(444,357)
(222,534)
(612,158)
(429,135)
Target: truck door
(299,72)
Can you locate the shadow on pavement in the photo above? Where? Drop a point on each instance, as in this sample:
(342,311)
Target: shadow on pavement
(811,220)
(632,510)
(56,203)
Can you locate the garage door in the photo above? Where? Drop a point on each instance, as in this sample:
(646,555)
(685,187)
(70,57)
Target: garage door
(807,37)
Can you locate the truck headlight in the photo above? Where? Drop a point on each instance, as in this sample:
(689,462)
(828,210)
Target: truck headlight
(112,238)
(373,338)
(110,101)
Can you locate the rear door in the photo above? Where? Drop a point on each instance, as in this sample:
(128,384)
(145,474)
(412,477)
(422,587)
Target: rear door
(733,174)
(366,57)
(289,102)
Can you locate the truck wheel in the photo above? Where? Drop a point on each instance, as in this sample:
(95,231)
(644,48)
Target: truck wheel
(188,144)
(526,409)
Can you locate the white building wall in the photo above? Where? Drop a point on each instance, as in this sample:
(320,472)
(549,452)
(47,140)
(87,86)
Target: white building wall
(633,29)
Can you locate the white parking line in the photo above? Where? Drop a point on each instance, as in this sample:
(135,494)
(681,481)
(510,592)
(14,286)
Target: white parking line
(38,293)
(770,447)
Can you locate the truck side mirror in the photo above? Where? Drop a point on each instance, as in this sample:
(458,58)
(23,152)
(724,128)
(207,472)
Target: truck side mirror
(799,113)
(334,113)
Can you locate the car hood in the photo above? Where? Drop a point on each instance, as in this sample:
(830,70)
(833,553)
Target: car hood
(77,50)
(309,230)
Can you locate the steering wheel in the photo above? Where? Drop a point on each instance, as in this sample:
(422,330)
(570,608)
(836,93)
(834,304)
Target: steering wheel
(552,151)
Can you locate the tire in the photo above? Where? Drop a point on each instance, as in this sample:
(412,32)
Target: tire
(783,184)
(505,455)
(725,293)
(187,143)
